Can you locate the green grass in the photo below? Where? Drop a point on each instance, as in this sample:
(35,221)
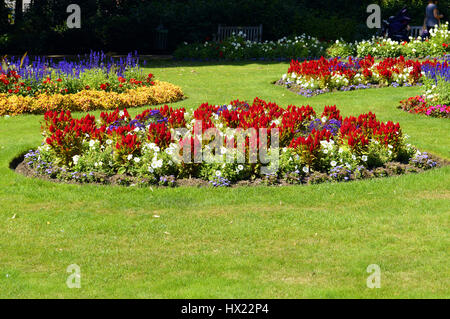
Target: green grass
(262,242)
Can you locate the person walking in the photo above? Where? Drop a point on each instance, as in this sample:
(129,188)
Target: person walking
(432,16)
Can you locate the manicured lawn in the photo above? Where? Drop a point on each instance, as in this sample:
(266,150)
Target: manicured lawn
(264,242)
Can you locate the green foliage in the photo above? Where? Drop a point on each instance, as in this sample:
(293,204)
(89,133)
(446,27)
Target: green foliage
(437,91)
(125,25)
(237,47)
(340,48)
(434,46)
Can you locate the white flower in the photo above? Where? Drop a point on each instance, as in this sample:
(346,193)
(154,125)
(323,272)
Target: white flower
(364,158)
(218,173)
(305,169)
(354,157)
(121,113)
(340,150)
(390,146)
(324,143)
(109,142)
(157,163)
(91,143)
(75,159)
(333,163)
(150,169)
(137,159)
(240,167)
(325,151)
(130,157)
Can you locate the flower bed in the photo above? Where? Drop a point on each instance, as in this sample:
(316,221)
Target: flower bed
(303,46)
(314,77)
(215,145)
(436,46)
(419,105)
(91,82)
(237,47)
(87,100)
(435,100)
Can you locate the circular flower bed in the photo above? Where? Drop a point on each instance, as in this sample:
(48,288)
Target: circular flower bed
(310,78)
(235,144)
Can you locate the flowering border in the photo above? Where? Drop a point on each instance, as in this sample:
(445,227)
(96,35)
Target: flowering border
(88,100)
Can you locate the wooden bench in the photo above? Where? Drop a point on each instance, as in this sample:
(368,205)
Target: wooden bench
(251,33)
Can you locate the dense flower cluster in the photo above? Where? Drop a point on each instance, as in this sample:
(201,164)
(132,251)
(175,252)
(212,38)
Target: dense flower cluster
(324,75)
(91,82)
(436,46)
(150,146)
(96,71)
(435,100)
(419,105)
(238,47)
(88,100)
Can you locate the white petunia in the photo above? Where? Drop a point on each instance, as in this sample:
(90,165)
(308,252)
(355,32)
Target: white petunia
(75,159)
(333,163)
(218,173)
(364,158)
(137,159)
(157,163)
(130,157)
(109,142)
(240,167)
(305,169)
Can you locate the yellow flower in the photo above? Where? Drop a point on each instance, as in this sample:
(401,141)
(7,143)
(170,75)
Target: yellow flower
(88,100)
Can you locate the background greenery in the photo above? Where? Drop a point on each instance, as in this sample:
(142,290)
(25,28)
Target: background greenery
(261,242)
(125,25)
